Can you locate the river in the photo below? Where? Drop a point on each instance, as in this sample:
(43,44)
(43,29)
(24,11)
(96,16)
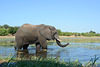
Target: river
(81,51)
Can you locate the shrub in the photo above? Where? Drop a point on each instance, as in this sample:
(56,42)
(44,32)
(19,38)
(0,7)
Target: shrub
(12,30)
(3,32)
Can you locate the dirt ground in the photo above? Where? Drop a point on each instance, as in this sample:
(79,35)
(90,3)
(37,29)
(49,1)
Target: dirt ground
(7,36)
(59,36)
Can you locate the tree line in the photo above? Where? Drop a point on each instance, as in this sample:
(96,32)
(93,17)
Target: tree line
(91,33)
(6,30)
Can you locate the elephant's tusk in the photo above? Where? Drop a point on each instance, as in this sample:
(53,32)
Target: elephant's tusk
(58,39)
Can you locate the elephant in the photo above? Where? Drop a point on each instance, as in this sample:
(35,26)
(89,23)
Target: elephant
(36,34)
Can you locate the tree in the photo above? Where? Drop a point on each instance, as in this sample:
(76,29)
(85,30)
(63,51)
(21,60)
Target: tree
(69,33)
(60,32)
(3,32)
(1,26)
(92,31)
(15,29)
(11,30)
(6,26)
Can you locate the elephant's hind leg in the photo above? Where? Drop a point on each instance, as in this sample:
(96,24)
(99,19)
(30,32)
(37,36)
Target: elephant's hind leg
(25,46)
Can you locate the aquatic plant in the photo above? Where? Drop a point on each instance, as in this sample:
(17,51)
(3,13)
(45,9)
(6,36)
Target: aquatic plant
(80,39)
(39,62)
(92,62)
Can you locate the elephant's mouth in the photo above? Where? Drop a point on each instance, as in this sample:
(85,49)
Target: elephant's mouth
(58,42)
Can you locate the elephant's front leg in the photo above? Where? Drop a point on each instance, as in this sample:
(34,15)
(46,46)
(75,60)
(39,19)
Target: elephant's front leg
(37,47)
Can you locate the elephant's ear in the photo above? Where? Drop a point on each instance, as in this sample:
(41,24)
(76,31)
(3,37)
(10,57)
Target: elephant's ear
(45,32)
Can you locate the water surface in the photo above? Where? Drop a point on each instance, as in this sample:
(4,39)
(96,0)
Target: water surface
(81,51)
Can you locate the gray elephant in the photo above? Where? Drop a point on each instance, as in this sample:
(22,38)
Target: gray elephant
(36,34)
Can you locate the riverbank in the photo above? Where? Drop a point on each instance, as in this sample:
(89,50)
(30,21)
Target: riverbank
(59,36)
(7,36)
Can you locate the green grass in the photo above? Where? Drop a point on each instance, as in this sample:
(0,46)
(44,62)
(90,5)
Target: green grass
(92,62)
(7,41)
(45,62)
(39,62)
(80,39)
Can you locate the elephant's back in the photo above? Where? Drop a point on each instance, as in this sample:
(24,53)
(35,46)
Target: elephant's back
(26,30)
(25,25)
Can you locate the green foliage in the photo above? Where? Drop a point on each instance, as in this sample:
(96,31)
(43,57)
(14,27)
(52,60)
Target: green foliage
(67,33)
(60,32)
(39,62)
(1,26)
(3,32)
(91,33)
(92,62)
(45,62)
(6,26)
(13,30)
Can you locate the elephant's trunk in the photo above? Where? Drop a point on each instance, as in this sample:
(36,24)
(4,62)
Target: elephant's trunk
(58,42)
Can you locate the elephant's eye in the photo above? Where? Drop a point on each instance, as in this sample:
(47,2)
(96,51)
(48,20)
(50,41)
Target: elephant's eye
(55,33)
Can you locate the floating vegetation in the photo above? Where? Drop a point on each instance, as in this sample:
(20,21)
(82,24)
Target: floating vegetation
(7,41)
(80,39)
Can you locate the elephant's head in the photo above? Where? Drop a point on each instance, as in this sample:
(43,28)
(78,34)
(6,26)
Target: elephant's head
(50,33)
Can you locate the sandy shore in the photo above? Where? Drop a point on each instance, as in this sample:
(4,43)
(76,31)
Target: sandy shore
(59,36)
(7,36)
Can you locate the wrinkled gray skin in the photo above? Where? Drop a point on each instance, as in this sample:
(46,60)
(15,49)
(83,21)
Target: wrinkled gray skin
(36,34)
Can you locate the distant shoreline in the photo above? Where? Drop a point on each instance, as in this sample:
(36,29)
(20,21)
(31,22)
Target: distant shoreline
(59,36)
(7,36)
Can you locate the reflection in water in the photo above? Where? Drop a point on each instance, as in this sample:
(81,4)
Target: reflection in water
(53,52)
(41,53)
(25,54)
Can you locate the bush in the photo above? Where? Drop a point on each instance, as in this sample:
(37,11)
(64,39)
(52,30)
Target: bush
(91,33)
(12,30)
(3,32)
(60,32)
(69,33)
(6,26)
